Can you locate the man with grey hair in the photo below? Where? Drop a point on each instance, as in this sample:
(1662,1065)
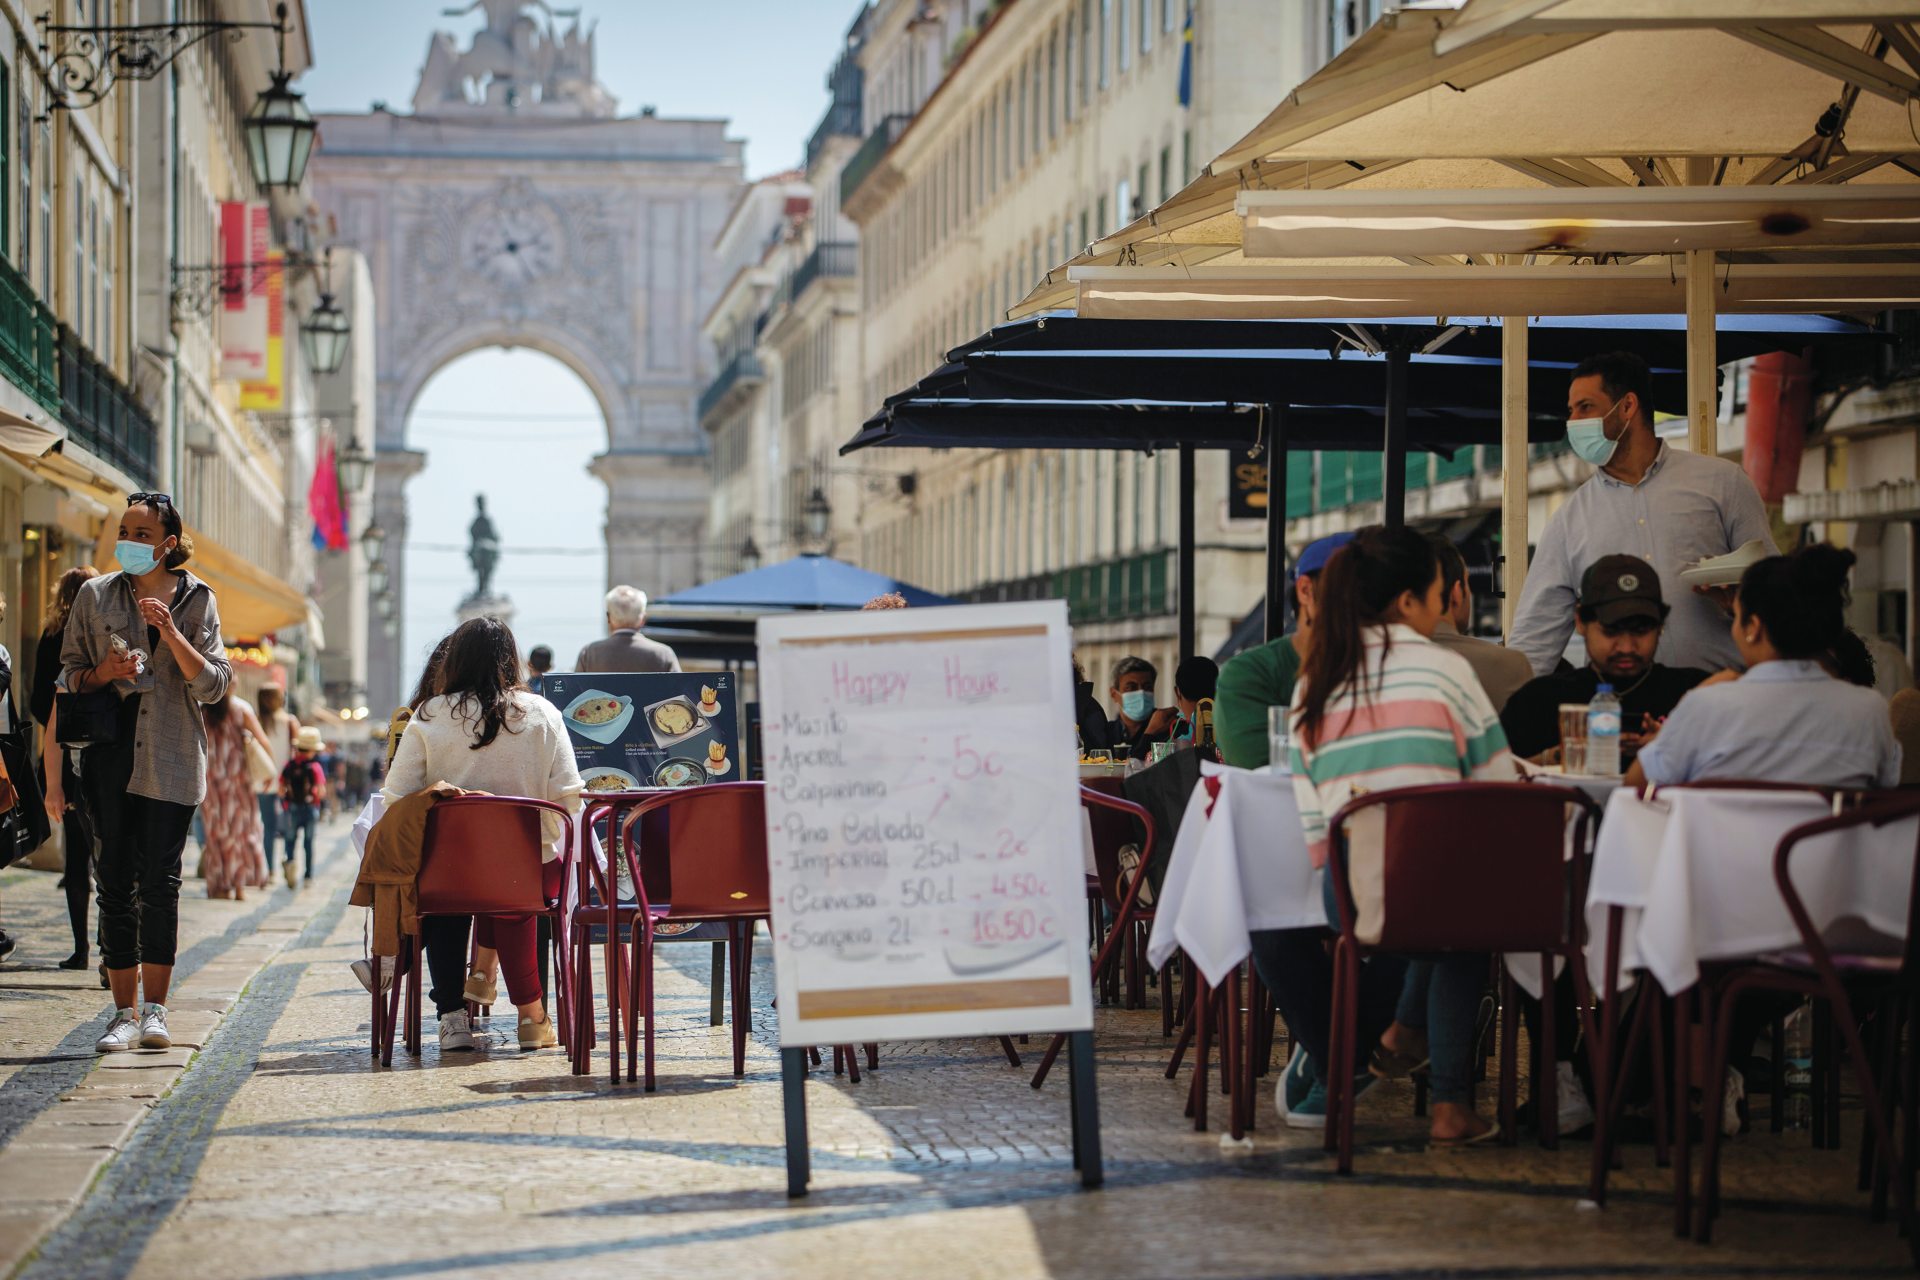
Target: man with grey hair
(1138,725)
(625,649)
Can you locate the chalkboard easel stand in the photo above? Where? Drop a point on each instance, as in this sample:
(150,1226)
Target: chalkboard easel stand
(1083,1103)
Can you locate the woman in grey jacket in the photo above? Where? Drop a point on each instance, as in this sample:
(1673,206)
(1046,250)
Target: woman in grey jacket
(152,634)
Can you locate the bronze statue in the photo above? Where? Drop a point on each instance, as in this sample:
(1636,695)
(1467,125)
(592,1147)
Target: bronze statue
(483,552)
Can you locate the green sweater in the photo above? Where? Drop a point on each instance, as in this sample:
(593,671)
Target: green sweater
(1251,682)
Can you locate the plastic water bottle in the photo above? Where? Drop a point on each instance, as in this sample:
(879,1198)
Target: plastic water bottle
(1603,733)
(1799,1067)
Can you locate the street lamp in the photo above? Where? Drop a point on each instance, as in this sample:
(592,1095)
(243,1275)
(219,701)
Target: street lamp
(384,603)
(353,465)
(323,336)
(377,576)
(390,627)
(817,512)
(749,556)
(373,541)
(280,129)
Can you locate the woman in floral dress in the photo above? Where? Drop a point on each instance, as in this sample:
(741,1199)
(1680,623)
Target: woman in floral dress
(233,858)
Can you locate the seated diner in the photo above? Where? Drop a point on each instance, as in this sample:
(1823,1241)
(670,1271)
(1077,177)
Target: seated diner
(1132,733)
(484,731)
(1263,676)
(1378,706)
(1194,682)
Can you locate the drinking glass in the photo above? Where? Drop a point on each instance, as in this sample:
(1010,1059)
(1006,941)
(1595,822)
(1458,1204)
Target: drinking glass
(1573,737)
(1279,740)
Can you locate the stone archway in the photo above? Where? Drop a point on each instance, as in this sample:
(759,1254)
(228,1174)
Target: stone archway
(535,218)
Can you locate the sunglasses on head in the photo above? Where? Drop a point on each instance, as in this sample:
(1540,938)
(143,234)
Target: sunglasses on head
(136,499)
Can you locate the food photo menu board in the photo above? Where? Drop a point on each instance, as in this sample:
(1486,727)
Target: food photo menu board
(666,729)
(923,817)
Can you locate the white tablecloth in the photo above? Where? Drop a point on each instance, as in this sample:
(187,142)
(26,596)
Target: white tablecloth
(1694,869)
(1240,868)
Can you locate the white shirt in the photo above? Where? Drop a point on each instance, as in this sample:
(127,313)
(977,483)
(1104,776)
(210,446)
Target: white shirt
(532,756)
(1783,721)
(1686,507)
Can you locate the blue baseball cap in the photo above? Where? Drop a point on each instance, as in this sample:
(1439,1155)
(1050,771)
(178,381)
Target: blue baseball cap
(1314,556)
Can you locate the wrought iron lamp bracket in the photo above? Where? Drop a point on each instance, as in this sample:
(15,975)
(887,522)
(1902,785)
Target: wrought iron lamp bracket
(84,63)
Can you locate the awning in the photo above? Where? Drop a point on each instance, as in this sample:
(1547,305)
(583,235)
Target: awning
(252,601)
(28,438)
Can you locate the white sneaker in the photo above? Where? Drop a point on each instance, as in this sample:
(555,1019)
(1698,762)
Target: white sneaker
(363,970)
(456,1032)
(1730,1100)
(121,1034)
(288,872)
(1576,1113)
(153,1028)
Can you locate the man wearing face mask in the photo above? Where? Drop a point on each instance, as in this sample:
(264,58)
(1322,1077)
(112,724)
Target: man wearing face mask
(1668,506)
(1138,726)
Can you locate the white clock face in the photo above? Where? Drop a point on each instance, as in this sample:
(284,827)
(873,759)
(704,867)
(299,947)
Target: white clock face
(513,247)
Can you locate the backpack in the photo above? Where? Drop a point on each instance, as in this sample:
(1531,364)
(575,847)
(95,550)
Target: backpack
(299,777)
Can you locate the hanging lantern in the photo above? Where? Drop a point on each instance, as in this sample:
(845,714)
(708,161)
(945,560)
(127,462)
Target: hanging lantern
(323,336)
(817,512)
(280,133)
(353,464)
(377,577)
(749,556)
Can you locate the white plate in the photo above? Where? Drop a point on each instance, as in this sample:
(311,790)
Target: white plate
(601,733)
(628,781)
(1712,576)
(715,770)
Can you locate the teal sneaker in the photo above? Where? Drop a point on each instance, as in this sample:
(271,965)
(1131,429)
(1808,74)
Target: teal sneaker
(1311,1111)
(1290,1091)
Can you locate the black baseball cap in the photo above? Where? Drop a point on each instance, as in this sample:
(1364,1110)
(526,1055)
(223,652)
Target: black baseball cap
(1619,587)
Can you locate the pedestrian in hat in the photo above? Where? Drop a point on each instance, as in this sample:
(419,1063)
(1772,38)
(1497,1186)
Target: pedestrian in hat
(303,787)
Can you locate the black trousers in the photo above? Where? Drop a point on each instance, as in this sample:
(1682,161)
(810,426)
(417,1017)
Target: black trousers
(78,830)
(1298,971)
(140,842)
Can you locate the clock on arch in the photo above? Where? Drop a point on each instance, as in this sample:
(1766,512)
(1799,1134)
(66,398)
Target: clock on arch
(513,245)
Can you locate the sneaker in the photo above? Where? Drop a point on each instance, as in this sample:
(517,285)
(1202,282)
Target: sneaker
(456,1033)
(7,944)
(121,1033)
(1294,1084)
(363,970)
(153,1028)
(480,988)
(1311,1113)
(286,870)
(1576,1113)
(1732,1099)
(537,1035)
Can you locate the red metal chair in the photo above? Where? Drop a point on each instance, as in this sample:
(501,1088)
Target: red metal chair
(708,864)
(1126,908)
(1842,979)
(597,905)
(1467,866)
(481,855)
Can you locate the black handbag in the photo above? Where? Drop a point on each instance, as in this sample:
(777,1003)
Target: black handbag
(87,719)
(24,827)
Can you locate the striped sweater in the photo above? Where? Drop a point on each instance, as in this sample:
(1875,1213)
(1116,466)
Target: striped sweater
(1425,720)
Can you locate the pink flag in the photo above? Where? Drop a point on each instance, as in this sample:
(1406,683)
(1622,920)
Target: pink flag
(323,503)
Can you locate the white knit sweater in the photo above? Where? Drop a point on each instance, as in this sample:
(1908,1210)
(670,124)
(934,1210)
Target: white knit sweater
(532,757)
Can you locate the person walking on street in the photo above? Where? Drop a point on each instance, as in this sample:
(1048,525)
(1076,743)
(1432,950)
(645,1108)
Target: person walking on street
(62,784)
(1670,507)
(539,662)
(303,788)
(625,649)
(150,633)
(279,725)
(232,860)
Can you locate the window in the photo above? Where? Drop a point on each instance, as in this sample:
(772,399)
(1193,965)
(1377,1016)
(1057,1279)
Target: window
(1053,79)
(1146,25)
(1073,42)
(1020,146)
(1034,278)
(1039,89)
(26,183)
(1086,51)
(993,144)
(1085,237)
(46,210)
(1186,157)
(1166,15)
(1053,250)
(1123,203)
(106,285)
(1143,189)
(1006,131)
(1106,21)
(1166,173)
(1100,219)
(79,307)
(1124,45)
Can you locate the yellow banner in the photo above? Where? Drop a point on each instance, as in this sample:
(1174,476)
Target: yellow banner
(271,393)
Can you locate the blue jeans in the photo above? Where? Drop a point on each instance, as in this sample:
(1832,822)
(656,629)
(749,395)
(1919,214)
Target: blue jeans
(269,824)
(1442,998)
(300,819)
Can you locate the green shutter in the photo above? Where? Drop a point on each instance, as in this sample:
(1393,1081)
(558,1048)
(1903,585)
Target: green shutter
(1416,469)
(1299,485)
(1490,457)
(1365,469)
(1461,464)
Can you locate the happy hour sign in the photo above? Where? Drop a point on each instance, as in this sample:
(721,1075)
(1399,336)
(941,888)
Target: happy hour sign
(923,815)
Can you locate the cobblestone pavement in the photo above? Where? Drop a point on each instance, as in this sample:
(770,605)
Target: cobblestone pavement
(283,1152)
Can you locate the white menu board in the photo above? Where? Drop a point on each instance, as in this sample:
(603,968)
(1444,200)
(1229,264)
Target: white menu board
(923,813)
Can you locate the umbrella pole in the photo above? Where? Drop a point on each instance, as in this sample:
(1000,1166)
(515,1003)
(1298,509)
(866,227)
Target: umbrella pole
(1277,522)
(1186,552)
(1394,513)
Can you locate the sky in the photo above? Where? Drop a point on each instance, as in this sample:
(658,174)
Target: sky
(761,64)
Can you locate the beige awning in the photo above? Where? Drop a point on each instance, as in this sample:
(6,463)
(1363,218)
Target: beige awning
(253,602)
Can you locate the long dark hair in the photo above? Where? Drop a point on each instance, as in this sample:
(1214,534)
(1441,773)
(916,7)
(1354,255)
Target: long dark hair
(1800,598)
(481,671)
(216,712)
(1359,583)
(429,685)
(69,590)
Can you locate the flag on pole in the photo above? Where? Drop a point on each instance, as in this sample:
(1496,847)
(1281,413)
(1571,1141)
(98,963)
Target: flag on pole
(1186,61)
(328,513)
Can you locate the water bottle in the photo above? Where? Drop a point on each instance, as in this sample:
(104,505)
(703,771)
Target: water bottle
(1603,733)
(1799,1067)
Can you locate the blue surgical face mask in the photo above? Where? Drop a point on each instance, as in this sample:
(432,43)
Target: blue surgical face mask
(1136,704)
(136,558)
(1588,436)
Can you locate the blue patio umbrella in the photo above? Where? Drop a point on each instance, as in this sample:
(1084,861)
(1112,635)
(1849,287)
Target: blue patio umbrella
(804,582)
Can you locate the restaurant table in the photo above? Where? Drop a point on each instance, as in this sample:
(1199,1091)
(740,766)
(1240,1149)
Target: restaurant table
(1239,863)
(1692,871)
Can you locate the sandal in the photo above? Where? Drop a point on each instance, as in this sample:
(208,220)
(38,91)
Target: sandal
(1391,1064)
(1485,1136)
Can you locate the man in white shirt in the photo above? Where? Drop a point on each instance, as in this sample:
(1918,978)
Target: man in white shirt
(1670,507)
(1501,670)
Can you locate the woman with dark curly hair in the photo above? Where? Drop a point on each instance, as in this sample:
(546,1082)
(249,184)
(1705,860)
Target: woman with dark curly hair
(486,731)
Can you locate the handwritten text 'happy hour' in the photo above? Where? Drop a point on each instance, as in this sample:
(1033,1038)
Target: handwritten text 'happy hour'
(871,687)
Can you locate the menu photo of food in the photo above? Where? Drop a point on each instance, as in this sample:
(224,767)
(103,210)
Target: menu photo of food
(639,732)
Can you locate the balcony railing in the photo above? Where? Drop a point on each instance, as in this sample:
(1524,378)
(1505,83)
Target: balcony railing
(842,120)
(743,370)
(1139,586)
(829,258)
(27,337)
(871,152)
(102,413)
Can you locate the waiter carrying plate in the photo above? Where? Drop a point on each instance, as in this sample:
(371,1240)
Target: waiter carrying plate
(1670,507)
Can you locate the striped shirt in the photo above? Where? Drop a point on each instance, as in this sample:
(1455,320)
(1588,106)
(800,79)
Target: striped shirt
(1426,719)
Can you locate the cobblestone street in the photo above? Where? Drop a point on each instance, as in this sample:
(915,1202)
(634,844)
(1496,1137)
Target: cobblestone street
(281,1151)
